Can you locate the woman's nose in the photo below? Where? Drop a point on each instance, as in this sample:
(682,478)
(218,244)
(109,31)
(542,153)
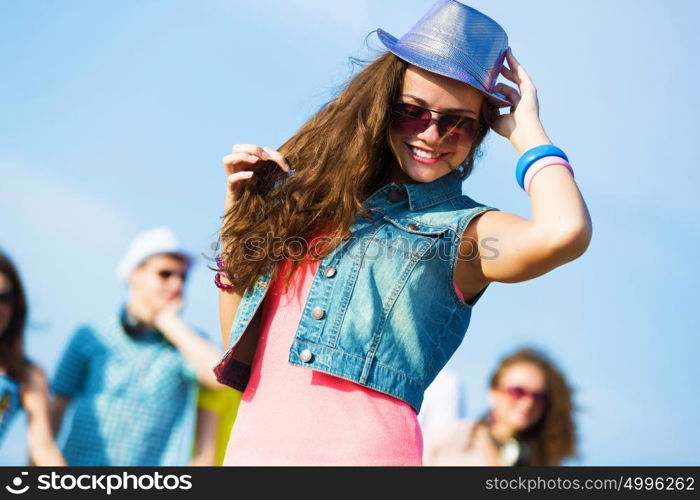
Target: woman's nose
(430,135)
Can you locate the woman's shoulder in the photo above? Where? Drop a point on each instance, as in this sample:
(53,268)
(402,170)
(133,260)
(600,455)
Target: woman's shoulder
(466,202)
(34,388)
(451,445)
(35,377)
(456,434)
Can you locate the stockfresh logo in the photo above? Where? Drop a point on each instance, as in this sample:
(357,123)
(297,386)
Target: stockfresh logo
(18,487)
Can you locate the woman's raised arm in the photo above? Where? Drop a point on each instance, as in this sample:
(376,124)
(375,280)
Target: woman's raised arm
(239,166)
(511,248)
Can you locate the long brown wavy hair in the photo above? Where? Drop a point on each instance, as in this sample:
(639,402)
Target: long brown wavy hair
(341,155)
(12,338)
(553,437)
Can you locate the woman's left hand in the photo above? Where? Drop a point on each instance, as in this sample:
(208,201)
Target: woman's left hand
(522,126)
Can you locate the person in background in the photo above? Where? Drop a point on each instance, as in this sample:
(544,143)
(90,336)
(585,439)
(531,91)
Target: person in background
(530,421)
(23,384)
(216,412)
(132,378)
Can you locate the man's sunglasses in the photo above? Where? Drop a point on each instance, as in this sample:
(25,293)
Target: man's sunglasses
(167,274)
(7,297)
(413,119)
(516,392)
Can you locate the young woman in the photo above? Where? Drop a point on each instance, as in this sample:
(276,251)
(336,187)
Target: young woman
(352,251)
(530,421)
(23,384)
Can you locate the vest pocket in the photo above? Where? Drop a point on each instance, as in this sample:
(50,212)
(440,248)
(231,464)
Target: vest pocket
(408,237)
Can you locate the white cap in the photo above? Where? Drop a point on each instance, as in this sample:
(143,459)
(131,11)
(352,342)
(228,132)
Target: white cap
(156,241)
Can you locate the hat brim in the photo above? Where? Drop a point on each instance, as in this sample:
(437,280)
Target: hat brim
(189,259)
(128,266)
(439,66)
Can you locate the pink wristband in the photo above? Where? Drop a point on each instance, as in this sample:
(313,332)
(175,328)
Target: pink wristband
(217,279)
(539,165)
(223,286)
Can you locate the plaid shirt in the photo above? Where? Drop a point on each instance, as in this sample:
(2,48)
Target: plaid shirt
(133,397)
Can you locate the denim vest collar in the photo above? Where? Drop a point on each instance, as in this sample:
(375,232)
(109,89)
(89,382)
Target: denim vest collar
(421,195)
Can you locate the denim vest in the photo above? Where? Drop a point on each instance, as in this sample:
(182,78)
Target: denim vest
(382,310)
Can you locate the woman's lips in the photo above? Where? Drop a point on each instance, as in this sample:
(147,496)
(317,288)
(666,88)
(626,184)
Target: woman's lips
(424,159)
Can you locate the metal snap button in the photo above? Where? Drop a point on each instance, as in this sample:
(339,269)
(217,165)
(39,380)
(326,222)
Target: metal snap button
(318,312)
(329,272)
(306,355)
(413,227)
(394,195)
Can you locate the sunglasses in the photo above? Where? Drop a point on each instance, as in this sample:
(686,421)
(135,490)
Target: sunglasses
(167,274)
(413,119)
(516,392)
(7,297)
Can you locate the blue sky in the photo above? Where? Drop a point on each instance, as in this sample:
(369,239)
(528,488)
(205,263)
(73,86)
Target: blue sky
(114,117)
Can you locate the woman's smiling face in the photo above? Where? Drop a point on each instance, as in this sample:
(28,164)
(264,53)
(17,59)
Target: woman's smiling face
(426,156)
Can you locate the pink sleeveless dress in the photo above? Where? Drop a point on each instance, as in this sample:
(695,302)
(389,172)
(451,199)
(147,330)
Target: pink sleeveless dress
(291,415)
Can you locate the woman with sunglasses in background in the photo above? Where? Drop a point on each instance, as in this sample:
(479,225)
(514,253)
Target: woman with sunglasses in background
(351,260)
(530,421)
(23,384)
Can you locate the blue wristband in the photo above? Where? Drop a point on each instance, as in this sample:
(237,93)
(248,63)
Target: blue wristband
(531,156)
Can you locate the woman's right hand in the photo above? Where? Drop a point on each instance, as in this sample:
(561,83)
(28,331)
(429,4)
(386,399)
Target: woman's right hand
(241,163)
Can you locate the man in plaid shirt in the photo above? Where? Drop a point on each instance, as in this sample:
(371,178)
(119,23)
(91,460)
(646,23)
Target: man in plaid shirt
(131,379)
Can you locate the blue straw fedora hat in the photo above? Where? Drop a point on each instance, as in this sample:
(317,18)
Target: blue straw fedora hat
(456,41)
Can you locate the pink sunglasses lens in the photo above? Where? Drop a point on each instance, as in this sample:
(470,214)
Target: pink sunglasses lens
(518,392)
